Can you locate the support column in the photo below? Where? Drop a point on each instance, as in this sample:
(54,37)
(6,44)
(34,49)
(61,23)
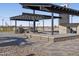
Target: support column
(34,27)
(15,26)
(43,25)
(52,27)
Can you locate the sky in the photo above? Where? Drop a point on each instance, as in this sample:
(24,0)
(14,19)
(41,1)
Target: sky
(8,10)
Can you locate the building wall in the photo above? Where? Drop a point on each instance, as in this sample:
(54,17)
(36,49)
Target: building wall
(64,19)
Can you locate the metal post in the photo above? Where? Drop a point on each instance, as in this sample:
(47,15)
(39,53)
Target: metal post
(52,24)
(34,27)
(15,26)
(43,25)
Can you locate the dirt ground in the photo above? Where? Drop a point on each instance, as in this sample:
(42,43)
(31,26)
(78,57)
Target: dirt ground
(63,48)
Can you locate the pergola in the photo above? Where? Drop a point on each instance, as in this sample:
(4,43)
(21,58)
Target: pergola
(29,17)
(47,7)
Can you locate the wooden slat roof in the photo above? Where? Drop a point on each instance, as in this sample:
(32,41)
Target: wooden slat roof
(50,8)
(30,17)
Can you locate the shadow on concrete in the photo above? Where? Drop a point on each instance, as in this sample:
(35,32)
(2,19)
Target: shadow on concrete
(9,41)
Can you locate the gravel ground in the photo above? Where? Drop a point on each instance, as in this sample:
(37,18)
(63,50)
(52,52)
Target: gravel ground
(64,48)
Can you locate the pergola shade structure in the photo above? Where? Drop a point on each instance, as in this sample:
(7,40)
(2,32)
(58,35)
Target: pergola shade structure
(30,17)
(50,8)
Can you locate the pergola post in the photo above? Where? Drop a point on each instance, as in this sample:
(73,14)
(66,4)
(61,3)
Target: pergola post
(15,26)
(43,25)
(52,25)
(34,27)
